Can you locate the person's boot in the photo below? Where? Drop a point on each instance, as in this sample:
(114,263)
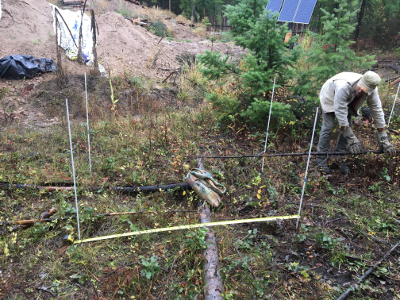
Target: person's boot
(323,166)
(344,167)
(325,170)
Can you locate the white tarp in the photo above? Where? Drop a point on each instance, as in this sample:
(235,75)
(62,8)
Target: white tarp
(73,21)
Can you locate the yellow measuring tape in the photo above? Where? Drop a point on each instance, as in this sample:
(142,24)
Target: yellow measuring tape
(266,219)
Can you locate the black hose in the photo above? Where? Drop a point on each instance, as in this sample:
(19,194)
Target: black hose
(122,189)
(149,189)
(284,154)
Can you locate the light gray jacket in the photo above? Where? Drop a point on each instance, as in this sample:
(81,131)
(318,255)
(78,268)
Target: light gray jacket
(337,92)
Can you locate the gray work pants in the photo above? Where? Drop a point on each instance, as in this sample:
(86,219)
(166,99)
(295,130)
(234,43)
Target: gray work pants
(328,124)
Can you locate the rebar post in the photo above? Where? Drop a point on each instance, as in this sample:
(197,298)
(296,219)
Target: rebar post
(305,174)
(269,118)
(394,103)
(87,123)
(73,171)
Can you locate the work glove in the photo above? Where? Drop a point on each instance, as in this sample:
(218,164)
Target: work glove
(352,141)
(384,145)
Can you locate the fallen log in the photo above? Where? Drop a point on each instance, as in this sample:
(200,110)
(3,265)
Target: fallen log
(139,22)
(134,2)
(393,131)
(396,81)
(172,69)
(393,78)
(173,72)
(72,3)
(213,287)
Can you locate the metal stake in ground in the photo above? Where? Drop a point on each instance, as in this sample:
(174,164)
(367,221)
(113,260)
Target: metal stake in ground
(87,123)
(394,102)
(73,171)
(269,118)
(305,174)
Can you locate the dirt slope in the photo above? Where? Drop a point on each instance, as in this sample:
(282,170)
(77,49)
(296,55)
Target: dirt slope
(26,28)
(118,34)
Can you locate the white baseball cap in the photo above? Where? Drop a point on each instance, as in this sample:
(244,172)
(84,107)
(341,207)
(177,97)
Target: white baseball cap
(369,81)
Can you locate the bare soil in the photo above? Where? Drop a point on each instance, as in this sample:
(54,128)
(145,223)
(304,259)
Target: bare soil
(123,47)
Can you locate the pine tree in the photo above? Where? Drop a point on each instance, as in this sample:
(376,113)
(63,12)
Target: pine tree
(257,30)
(330,52)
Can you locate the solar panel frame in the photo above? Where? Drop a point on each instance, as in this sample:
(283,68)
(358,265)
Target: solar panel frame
(304,11)
(288,11)
(274,5)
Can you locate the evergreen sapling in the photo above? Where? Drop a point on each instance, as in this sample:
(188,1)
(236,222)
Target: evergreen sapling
(256,30)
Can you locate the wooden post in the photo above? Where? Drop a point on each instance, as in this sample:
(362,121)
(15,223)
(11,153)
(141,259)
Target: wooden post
(95,70)
(80,59)
(60,71)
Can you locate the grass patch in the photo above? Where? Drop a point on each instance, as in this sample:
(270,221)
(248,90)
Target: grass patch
(147,140)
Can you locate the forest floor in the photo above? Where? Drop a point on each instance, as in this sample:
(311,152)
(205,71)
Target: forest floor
(347,224)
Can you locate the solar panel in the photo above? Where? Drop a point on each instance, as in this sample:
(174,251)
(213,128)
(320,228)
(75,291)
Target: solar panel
(304,11)
(288,10)
(274,5)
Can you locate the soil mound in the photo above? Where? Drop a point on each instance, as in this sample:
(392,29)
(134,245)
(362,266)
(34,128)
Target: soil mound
(26,28)
(120,43)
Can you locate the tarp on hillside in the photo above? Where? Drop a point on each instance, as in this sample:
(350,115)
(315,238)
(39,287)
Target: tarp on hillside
(73,20)
(24,66)
(69,24)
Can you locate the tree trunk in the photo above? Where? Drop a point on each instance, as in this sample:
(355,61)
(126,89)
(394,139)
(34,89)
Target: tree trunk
(169,5)
(359,19)
(192,17)
(95,70)
(213,287)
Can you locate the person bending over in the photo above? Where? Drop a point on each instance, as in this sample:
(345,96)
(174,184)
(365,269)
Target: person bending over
(342,96)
